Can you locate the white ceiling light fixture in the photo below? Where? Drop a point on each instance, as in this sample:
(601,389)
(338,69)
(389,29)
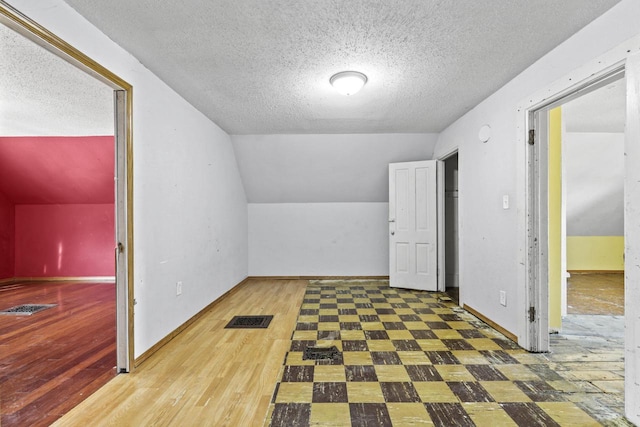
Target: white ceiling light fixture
(348,82)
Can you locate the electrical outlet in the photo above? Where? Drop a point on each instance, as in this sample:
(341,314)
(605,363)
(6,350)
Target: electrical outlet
(503,298)
(505,202)
(179,288)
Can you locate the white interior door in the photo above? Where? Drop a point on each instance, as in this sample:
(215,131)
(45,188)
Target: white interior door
(413,225)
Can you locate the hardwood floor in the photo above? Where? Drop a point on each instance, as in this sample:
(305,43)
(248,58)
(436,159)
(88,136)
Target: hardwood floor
(52,360)
(207,375)
(596,293)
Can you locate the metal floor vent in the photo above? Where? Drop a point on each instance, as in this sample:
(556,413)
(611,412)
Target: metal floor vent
(320,353)
(26,309)
(249,322)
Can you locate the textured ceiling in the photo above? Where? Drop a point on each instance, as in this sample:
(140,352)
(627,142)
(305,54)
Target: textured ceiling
(263,66)
(41,94)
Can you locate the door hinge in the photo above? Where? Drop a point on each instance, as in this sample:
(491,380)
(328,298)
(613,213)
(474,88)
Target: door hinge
(532,136)
(532,314)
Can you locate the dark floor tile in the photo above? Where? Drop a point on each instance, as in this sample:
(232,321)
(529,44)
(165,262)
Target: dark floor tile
(328,305)
(411,300)
(350,326)
(311,300)
(369,415)
(328,335)
(338,360)
(468,391)
(457,344)
(394,326)
(506,344)
(545,372)
(364,305)
(424,334)
(399,392)
(499,357)
(275,393)
(369,318)
(423,310)
(406,345)
(385,358)
(344,300)
(354,345)
(332,318)
(378,300)
(410,318)
(450,317)
(471,333)
(448,415)
(329,393)
(385,311)
(309,312)
(311,291)
(302,374)
(399,305)
(438,325)
(299,345)
(376,335)
(359,296)
(307,326)
(373,291)
(361,373)
(291,414)
(528,414)
(442,358)
(486,373)
(423,373)
(540,391)
(347,311)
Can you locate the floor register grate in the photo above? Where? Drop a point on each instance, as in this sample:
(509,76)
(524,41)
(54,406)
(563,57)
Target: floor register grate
(249,322)
(26,309)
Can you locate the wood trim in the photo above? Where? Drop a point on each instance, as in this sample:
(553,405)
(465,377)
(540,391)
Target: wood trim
(491,323)
(26,280)
(48,40)
(157,346)
(595,271)
(319,277)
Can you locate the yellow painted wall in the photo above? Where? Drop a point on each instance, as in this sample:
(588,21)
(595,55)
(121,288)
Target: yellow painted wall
(595,253)
(555,218)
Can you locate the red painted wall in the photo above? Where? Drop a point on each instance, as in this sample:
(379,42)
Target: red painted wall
(64,240)
(7,237)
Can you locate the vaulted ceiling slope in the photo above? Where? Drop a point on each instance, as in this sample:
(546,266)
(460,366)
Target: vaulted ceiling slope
(263,66)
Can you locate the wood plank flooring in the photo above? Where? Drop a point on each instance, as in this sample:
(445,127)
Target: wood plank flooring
(53,359)
(207,375)
(596,293)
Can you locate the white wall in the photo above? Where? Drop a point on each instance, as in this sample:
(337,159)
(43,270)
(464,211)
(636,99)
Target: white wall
(190,211)
(593,166)
(318,204)
(318,239)
(489,252)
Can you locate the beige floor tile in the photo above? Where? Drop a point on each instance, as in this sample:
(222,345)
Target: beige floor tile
(568,414)
(504,391)
(488,414)
(329,415)
(454,373)
(392,373)
(435,391)
(408,414)
(364,392)
(329,373)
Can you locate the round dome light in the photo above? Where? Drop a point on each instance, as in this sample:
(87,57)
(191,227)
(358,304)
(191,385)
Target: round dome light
(348,82)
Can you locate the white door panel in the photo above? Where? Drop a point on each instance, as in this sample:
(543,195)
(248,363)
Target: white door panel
(413,225)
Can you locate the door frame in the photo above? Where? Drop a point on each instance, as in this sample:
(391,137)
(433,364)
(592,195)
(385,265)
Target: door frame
(442,260)
(533,220)
(123,103)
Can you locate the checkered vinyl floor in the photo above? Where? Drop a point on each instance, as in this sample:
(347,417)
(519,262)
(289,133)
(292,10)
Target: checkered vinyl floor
(411,358)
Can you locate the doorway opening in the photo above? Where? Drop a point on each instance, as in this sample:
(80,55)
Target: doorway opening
(122,102)
(451,230)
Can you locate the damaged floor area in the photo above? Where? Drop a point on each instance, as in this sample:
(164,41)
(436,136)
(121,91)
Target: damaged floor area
(409,358)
